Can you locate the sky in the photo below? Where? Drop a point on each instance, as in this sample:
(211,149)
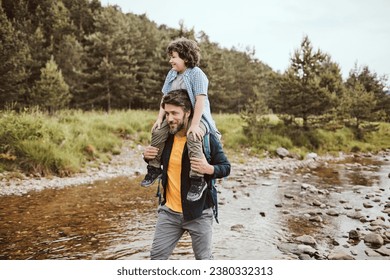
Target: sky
(352,32)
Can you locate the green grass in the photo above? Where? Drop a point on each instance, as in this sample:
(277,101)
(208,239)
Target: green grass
(62,144)
(34,142)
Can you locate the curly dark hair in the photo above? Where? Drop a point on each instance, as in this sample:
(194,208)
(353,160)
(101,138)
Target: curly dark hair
(179,98)
(187,49)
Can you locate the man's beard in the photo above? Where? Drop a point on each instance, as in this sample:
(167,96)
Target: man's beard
(178,127)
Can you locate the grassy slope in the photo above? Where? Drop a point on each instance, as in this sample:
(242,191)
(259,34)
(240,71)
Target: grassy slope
(62,144)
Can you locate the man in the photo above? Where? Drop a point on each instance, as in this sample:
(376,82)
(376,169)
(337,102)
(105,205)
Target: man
(176,214)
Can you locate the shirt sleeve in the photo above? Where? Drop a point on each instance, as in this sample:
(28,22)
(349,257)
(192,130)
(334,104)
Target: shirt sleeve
(218,159)
(200,82)
(167,83)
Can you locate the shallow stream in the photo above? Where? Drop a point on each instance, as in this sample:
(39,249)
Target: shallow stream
(260,214)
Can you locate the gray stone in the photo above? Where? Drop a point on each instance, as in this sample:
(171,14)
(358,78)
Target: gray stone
(383,251)
(373,239)
(307,239)
(306,249)
(282,152)
(371,253)
(340,256)
(332,212)
(238,228)
(354,234)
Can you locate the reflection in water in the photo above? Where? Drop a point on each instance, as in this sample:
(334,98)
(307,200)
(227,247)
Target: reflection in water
(115,219)
(74,223)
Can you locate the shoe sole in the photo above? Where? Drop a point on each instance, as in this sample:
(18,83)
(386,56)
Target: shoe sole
(197,198)
(148,185)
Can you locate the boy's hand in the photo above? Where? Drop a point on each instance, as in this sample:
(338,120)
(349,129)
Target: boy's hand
(150,152)
(196,132)
(157,125)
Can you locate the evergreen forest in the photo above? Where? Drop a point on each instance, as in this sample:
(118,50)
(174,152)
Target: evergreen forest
(77,54)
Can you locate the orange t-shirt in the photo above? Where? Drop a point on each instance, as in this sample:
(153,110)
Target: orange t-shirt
(173,195)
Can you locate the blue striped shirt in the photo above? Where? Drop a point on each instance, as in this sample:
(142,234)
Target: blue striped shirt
(196,83)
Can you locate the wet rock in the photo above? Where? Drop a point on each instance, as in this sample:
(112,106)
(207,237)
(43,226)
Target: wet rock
(307,240)
(306,249)
(340,256)
(355,215)
(371,253)
(383,251)
(94,240)
(316,203)
(317,219)
(311,156)
(332,212)
(288,248)
(304,257)
(374,239)
(237,228)
(353,234)
(367,205)
(309,188)
(282,152)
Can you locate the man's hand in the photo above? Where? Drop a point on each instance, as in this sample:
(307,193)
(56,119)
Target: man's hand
(150,152)
(201,165)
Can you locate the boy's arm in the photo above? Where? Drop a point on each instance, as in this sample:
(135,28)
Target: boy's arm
(198,112)
(160,118)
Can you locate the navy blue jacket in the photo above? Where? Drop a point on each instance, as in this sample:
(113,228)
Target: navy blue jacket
(193,210)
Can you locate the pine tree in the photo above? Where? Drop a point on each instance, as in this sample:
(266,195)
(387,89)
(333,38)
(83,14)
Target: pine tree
(51,92)
(111,62)
(301,94)
(13,56)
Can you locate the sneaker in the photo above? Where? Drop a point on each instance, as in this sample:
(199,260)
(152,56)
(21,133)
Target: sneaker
(198,186)
(153,174)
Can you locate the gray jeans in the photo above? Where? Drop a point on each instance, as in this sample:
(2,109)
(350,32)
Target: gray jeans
(171,226)
(195,147)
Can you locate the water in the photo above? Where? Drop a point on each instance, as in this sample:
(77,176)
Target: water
(260,214)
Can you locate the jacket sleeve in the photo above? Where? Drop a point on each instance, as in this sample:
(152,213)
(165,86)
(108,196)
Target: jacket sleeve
(218,159)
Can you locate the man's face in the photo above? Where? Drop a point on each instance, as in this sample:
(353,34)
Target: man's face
(176,117)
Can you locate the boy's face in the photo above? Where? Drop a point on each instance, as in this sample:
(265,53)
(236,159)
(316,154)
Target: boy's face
(177,63)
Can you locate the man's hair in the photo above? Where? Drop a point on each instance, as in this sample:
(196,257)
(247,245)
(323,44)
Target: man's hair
(187,49)
(178,98)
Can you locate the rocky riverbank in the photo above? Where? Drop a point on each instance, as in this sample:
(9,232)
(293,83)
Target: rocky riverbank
(130,163)
(272,208)
(322,209)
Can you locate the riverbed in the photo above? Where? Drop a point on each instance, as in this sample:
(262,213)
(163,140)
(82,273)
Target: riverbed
(319,210)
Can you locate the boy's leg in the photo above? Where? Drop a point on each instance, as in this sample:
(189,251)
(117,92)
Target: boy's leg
(201,231)
(195,149)
(159,136)
(167,234)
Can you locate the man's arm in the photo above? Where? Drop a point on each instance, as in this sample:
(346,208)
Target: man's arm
(219,166)
(149,153)
(218,158)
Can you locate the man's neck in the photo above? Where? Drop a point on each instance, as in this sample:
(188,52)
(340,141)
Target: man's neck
(181,133)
